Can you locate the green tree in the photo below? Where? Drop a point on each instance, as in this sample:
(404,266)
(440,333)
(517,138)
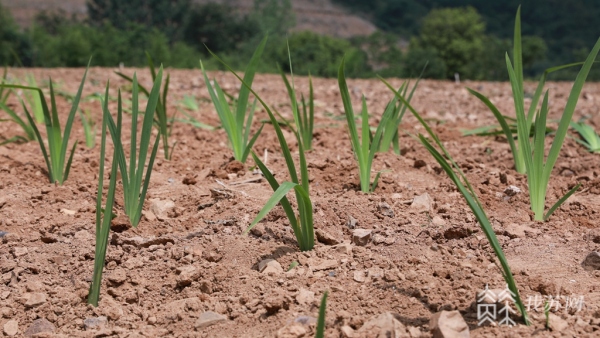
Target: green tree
(218,27)
(12,41)
(457,34)
(167,16)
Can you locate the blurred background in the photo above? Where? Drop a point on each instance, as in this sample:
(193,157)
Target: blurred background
(392,38)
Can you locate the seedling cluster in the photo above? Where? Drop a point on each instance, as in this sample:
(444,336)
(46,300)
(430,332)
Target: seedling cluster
(236,116)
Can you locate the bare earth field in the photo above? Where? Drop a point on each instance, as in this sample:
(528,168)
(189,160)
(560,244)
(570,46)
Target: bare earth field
(189,257)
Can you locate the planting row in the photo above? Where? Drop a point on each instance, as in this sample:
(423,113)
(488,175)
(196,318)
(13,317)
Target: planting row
(526,135)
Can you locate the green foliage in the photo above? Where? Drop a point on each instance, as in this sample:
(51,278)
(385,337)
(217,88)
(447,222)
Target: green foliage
(417,57)
(58,172)
(236,124)
(320,332)
(457,34)
(366,145)
(12,41)
(165,16)
(161,120)
(89,128)
(102,223)
(320,55)
(452,169)
(589,137)
(304,119)
(217,27)
(133,177)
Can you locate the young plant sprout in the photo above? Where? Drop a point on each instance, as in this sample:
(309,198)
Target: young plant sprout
(132,176)
(452,169)
(321,320)
(24,124)
(89,128)
(103,215)
(302,225)
(189,103)
(531,153)
(237,125)
(366,146)
(589,137)
(304,122)
(161,120)
(58,172)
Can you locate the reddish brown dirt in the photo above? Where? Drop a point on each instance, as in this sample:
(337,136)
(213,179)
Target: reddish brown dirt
(416,264)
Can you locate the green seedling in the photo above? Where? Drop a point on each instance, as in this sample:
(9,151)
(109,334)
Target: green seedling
(517,148)
(304,122)
(58,172)
(496,130)
(302,225)
(547,314)
(292,265)
(34,101)
(161,120)
(24,124)
(4,92)
(396,110)
(321,320)
(189,103)
(531,152)
(89,128)
(102,219)
(237,126)
(589,137)
(366,146)
(132,177)
(452,169)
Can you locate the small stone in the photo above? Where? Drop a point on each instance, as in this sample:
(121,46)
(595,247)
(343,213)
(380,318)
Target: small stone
(39,326)
(347,331)
(295,330)
(557,324)
(514,230)
(34,299)
(68,212)
(385,209)
(275,302)
(419,164)
(19,251)
(438,221)
(352,222)
(95,322)
(110,308)
(161,208)
(343,248)
(326,264)
(209,318)
(326,238)
(359,276)
(422,203)
(270,266)
(592,261)
(187,274)
(117,276)
(383,325)
(3,233)
(361,237)
(305,297)
(149,216)
(512,190)
(119,223)
(11,328)
(448,324)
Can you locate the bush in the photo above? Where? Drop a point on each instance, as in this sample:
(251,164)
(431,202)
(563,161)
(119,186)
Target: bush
(12,42)
(417,57)
(457,34)
(321,56)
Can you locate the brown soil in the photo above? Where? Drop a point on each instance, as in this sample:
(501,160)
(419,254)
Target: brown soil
(416,264)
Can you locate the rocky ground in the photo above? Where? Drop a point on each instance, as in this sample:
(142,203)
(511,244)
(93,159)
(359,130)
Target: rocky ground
(405,261)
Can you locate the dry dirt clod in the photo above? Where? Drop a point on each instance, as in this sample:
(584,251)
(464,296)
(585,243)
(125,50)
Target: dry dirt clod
(347,331)
(295,330)
(305,297)
(326,238)
(361,237)
(383,325)
(34,299)
(161,208)
(187,274)
(448,324)
(270,266)
(591,261)
(557,324)
(422,203)
(19,251)
(209,318)
(95,322)
(512,190)
(39,326)
(11,328)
